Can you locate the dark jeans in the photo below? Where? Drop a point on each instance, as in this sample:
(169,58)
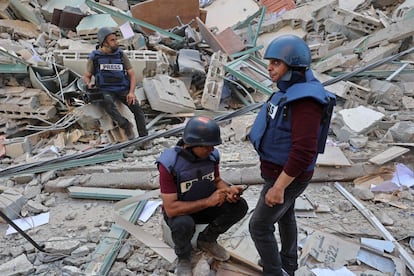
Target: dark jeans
(262,228)
(109,99)
(219,220)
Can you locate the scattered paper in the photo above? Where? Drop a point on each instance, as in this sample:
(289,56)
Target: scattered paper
(29,222)
(403,176)
(329,272)
(126,30)
(149,209)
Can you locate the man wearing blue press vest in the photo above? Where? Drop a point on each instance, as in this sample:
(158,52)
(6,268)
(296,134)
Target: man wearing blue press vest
(115,79)
(193,192)
(288,133)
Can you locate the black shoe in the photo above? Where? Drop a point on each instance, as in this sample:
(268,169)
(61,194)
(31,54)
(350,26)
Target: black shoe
(129,132)
(216,250)
(284,273)
(145,146)
(183,267)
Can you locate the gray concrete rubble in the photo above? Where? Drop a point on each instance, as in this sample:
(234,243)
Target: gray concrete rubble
(200,57)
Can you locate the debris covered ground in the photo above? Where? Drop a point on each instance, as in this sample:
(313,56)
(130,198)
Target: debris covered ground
(66,168)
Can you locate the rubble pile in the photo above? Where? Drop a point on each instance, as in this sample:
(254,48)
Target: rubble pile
(54,137)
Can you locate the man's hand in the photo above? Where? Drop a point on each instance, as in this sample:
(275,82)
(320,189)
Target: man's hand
(274,195)
(131,99)
(217,198)
(234,192)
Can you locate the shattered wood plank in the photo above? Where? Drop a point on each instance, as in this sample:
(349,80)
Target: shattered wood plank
(228,42)
(388,155)
(378,225)
(158,12)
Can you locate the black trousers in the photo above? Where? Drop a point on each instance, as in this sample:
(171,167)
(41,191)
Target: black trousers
(219,220)
(109,99)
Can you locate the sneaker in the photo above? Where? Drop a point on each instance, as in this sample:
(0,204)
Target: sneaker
(183,268)
(129,132)
(145,146)
(284,273)
(216,250)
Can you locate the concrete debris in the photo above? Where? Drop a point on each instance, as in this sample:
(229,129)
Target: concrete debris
(189,59)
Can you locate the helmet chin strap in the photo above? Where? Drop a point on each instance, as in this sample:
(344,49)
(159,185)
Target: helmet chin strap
(287,76)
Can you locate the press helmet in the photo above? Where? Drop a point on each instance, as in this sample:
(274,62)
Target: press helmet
(202,131)
(103,33)
(290,49)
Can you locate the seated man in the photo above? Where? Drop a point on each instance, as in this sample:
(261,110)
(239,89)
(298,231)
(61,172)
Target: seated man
(192,192)
(115,79)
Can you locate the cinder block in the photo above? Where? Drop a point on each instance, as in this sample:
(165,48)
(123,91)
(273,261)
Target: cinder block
(357,21)
(144,62)
(214,82)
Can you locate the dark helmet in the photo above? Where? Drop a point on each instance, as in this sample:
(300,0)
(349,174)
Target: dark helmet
(103,33)
(202,131)
(290,49)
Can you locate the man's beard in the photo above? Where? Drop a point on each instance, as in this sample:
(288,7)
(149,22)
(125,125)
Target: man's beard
(113,49)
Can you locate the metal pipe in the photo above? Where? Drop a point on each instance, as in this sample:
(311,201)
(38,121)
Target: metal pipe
(18,229)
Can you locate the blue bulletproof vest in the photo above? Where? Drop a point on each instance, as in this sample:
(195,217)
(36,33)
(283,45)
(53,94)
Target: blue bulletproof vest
(271,130)
(194,177)
(110,73)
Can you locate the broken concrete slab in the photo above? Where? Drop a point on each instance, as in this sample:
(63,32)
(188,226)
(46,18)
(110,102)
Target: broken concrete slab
(357,120)
(19,265)
(12,203)
(21,29)
(168,94)
(240,10)
(403,132)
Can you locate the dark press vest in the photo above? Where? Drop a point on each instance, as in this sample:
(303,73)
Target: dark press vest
(194,177)
(110,73)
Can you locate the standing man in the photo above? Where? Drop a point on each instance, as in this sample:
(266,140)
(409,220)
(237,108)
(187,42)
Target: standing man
(193,192)
(288,133)
(115,79)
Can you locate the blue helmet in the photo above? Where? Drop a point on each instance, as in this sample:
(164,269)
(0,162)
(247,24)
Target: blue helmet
(202,131)
(103,33)
(290,49)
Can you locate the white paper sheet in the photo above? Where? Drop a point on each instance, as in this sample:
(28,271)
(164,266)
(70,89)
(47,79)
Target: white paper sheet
(29,222)
(126,30)
(403,176)
(149,209)
(329,272)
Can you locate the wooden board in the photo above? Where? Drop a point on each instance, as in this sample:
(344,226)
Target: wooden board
(163,13)
(333,156)
(388,155)
(227,42)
